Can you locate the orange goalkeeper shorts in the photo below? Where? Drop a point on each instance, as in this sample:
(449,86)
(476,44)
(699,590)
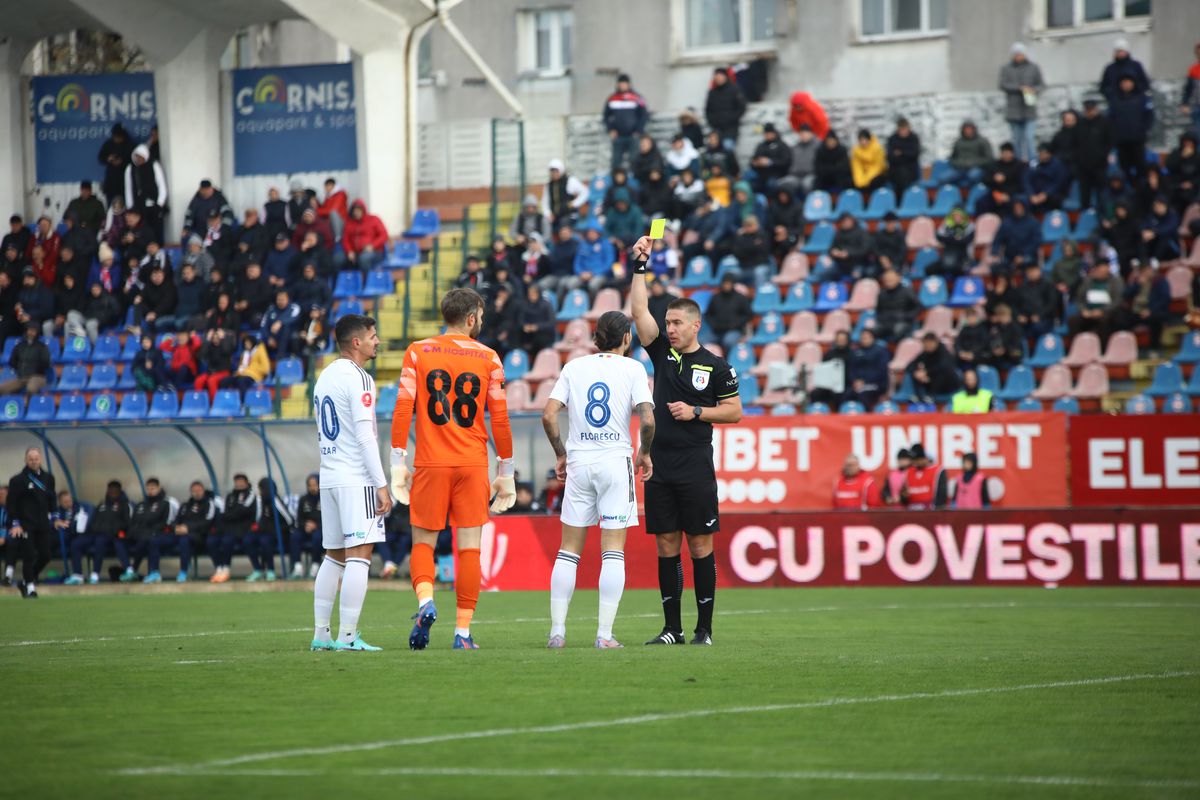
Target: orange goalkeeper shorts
(460,494)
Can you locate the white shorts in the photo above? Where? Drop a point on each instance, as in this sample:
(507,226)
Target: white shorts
(601,492)
(348,517)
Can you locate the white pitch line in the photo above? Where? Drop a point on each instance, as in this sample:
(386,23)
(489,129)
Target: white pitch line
(202,661)
(570,727)
(788,775)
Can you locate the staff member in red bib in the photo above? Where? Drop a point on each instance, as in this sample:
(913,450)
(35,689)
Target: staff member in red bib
(925,483)
(853,486)
(971,489)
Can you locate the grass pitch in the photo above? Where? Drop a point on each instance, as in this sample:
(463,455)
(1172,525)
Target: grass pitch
(807,692)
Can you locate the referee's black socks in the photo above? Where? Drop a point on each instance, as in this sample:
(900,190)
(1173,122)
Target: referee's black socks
(670,586)
(704,573)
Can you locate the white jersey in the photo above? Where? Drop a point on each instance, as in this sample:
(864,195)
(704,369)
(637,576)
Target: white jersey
(600,392)
(345,396)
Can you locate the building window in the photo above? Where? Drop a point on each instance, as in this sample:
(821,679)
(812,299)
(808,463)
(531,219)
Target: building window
(1076,13)
(713,25)
(883,19)
(425,58)
(546,41)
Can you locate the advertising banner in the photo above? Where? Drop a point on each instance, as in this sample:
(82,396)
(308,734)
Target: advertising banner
(1026,547)
(1135,460)
(294,119)
(73,115)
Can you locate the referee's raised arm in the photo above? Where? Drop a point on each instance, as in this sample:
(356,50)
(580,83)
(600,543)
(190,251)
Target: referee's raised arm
(639,302)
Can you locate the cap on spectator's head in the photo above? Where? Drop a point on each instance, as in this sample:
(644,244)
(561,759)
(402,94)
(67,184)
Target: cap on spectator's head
(806,127)
(28,271)
(770,128)
(296,185)
(214,213)
(85,184)
(555,164)
(728,278)
(1091,101)
(890,216)
(12,245)
(903,454)
(1017,49)
(206,184)
(1121,45)
(623,78)
(195,240)
(917,451)
(279,237)
(143,151)
(105,252)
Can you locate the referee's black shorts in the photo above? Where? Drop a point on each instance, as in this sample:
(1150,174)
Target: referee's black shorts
(689,506)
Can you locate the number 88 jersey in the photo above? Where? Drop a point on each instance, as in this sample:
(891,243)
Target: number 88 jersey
(447,383)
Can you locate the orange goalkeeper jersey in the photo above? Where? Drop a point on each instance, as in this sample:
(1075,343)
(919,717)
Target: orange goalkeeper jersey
(447,382)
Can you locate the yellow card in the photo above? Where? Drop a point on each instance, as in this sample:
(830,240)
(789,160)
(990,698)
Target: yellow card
(657,228)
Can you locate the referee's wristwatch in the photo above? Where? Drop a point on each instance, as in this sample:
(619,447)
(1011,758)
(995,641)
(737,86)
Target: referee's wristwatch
(697,411)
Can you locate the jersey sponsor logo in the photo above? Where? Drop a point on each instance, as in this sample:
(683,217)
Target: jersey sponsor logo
(699,379)
(367,399)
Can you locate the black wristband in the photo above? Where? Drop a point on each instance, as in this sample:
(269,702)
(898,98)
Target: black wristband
(639,266)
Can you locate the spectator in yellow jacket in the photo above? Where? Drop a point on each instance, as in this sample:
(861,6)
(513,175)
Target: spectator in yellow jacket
(251,364)
(868,162)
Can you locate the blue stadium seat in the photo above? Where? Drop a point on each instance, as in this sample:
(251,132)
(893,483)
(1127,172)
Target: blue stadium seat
(1019,385)
(1071,203)
(783,410)
(933,292)
(766,299)
(379,283)
(999,405)
(41,408)
(574,305)
(10,344)
(921,408)
(289,371)
(1168,379)
(71,408)
(194,405)
(165,405)
(882,201)
(798,298)
(820,240)
(55,346)
(817,408)
(977,193)
(701,298)
(12,408)
(1029,404)
(939,172)
(1056,226)
(770,328)
(831,296)
(989,378)
(913,203)
(886,407)
(850,202)
(1189,349)
(403,254)
(906,391)
(923,260)
(729,266)
(1177,403)
(516,364)
(946,199)
(259,402)
(126,382)
(108,348)
(226,403)
(698,274)
(968,291)
(748,389)
(74,378)
(851,407)
(1193,387)
(644,359)
(347,307)
(1047,351)
(866,319)
(741,358)
(426,222)
(1139,404)
(1066,405)
(386,403)
(103,379)
(7,374)
(103,407)
(78,350)
(129,351)
(349,284)
(1086,225)
(133,406)
(753,411)
(818,206)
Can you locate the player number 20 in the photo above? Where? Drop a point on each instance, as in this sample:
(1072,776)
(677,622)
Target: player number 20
(465,404)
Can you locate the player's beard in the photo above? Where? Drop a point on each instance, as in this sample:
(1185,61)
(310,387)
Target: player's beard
(477,328)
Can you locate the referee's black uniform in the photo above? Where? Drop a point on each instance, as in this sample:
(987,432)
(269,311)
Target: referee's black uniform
(681,494)
(31,500)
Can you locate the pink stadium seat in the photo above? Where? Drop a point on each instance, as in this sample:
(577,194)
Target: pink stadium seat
(517,394)
(1179,278)
(1193,260)
(807,355)
(546,366)
(864,296)
(773,353)
(835,321)
(579,352)
(793,269)
(715,349)
(920,234)
(1093,383)
(938,320)
(689,237)
(577,334)
(538,403)
(1121,350)
(986,226)
(1191,213)
(906,351)
(606,300)
(802,328)
(1056,383)
(1085,349)
(776,398)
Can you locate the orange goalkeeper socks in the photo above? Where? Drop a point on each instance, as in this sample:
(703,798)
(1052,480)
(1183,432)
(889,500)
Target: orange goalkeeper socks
(424,570)
(467,584)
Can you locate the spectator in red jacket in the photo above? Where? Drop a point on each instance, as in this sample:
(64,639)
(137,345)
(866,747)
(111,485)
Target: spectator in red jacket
(333,209)
(179,352)
(365,237)
(48,240)
(807,111)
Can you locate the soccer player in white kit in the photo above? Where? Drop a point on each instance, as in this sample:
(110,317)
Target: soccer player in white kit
(355,497)
(600,392)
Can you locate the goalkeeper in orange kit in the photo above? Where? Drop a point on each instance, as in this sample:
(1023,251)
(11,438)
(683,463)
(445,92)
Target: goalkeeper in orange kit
(447,382)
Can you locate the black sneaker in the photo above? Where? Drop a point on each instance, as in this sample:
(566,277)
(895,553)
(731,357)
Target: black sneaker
(702,637)
(668,636)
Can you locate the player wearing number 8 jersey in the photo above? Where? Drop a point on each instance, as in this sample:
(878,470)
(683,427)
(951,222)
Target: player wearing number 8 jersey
(448,382)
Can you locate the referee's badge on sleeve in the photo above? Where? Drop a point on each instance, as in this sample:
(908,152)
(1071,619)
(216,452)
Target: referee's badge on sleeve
(699,379)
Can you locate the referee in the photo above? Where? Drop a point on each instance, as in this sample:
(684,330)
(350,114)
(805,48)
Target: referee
(693,390)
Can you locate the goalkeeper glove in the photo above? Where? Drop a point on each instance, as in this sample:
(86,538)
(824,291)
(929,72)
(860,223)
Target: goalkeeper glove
(401,476)
(504,487)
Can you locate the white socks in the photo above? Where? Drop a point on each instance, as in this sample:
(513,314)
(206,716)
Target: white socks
(612,584)
(562,586)
(354,591)
(324,591)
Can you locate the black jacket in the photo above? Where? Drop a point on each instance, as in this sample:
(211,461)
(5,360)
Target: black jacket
(723,108)
(890,244)
(903,155)
(267,492)
(943,376)
(149,517)
(831,169)
(241,512)
(728,311)
(30,358)
(195,219)
(780,155)
(111,517)
(1038,298)
(1065,146)
(896,305)
(309,510)
(789,214)
(855,241)
(752,249)
(198,515)
(976,340)
(709,157)
(31,499)
(1132,115)
(1094,141)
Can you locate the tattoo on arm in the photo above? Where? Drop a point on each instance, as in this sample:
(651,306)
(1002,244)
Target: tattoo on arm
(646,412)
(550,425)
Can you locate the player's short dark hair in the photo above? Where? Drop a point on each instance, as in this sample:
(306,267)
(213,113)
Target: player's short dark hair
(458,304)
(687,305)
(610,330)
(350,326)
